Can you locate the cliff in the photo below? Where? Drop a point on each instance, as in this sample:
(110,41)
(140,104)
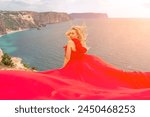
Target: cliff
(2,27)
(49,18)
(8,62)
(18,20)
(88,15)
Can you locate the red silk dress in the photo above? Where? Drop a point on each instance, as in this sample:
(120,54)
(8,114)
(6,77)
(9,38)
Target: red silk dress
(84,77)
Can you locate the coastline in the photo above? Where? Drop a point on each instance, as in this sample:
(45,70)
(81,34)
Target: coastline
(14,31)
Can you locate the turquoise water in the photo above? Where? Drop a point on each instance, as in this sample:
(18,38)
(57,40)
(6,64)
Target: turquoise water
(124,43)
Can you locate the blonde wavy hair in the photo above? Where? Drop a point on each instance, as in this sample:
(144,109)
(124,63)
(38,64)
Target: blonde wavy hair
(81,34)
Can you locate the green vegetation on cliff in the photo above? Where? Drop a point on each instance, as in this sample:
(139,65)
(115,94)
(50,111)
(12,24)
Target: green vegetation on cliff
(6,60)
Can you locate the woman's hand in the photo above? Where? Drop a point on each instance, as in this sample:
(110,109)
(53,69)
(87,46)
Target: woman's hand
(68,34)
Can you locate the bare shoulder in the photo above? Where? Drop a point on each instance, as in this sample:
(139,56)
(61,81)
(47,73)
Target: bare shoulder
(71,43)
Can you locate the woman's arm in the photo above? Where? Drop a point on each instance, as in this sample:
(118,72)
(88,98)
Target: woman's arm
(68,53)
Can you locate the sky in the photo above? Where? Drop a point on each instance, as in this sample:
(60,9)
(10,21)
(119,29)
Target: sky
(113,8)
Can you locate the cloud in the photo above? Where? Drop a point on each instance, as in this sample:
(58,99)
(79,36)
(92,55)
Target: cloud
(30,2)
(113,8)
(20,5)
(23,1)
(5,0)
(51,5)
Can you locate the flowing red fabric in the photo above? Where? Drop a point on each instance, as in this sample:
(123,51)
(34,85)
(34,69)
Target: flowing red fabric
(84,77)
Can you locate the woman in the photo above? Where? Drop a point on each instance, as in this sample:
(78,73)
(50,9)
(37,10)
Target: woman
(82,76)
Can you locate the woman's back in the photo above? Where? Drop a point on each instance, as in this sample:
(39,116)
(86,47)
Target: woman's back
(79,50)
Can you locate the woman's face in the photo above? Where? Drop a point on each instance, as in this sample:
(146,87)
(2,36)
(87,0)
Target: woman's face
(72,34)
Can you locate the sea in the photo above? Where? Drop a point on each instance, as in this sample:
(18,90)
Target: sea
(122,42)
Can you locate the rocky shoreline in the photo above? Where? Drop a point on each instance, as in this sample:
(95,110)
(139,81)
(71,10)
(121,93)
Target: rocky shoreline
(12,31)
(16,61)
(20,20)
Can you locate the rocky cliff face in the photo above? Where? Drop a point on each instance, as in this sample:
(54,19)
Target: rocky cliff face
(2,26)
(49,17)
(17,20)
